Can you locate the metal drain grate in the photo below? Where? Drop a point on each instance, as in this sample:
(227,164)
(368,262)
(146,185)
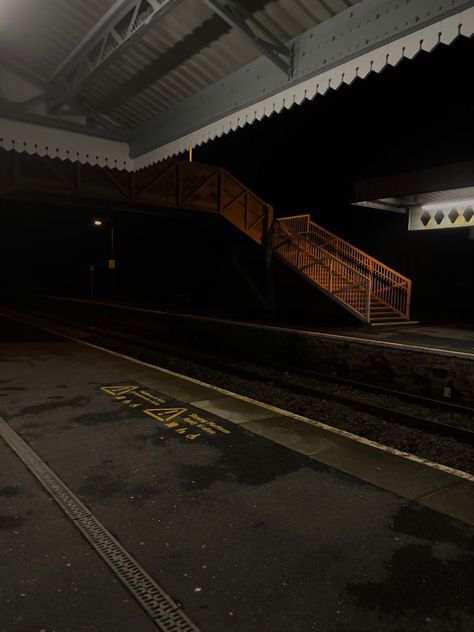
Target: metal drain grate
(155,601)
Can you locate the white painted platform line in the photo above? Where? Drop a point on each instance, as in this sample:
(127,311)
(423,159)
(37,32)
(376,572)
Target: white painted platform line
(279,411)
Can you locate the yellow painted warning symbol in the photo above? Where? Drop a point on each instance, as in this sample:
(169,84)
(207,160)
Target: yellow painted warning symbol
(190,425)
(164,414)
(118,390)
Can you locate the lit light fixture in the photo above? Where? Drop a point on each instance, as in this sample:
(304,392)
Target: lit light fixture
(97,222)
(445,205)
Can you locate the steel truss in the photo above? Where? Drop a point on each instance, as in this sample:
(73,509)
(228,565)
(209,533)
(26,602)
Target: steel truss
(130,20)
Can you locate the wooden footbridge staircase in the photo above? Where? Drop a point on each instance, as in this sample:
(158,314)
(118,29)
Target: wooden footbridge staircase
(367,288)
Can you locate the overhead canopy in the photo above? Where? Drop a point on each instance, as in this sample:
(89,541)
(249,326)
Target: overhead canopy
(432,197)
(128,83)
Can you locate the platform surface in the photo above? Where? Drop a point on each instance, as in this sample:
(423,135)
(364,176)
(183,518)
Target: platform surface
(434,337)
(249,519)
(448,338)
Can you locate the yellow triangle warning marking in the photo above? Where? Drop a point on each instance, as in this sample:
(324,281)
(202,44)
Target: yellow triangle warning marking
(118,390)
(164,414)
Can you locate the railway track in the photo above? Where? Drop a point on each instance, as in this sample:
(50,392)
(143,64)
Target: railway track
(309,384)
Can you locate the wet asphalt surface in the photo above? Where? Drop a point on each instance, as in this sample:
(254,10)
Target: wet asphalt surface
(245,534)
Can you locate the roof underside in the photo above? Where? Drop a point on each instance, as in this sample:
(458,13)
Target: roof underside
(147,78)
(190,48)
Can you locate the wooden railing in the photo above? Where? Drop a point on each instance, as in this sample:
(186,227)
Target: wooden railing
(169,184)
(349,274)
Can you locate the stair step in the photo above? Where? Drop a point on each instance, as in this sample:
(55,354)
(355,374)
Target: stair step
(398,323)
(387,319)
(383,312)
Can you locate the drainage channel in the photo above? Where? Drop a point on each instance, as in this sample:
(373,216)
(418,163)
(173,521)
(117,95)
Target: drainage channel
(159,606)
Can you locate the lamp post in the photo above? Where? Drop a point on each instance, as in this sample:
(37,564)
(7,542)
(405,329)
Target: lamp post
(99,223)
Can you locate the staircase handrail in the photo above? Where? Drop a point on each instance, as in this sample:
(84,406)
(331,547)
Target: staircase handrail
(349,245)
(353,272)
(335,266)
(328,254)
(383,283)
(302,236)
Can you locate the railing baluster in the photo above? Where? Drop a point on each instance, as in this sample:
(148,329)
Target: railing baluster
(344,261)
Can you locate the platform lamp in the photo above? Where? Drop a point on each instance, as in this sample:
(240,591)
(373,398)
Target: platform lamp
(99,223)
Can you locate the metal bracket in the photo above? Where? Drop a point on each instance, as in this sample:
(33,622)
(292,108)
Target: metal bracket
(252,28)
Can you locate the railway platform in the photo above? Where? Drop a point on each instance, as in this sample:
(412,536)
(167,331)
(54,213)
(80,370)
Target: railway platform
(424,360)
(135,498)
(447,339)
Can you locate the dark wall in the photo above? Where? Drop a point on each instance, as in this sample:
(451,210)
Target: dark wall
(167,259)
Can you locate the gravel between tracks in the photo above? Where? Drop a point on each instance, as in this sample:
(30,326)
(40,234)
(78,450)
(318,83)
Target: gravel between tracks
(445,450)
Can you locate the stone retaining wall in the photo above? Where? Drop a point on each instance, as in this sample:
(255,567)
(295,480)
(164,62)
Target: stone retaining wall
(428,374)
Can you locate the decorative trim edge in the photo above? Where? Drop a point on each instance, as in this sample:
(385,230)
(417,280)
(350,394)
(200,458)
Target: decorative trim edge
(56,143)
(66,145)
(444,31)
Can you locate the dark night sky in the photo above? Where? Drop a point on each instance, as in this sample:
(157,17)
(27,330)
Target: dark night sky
(306,159)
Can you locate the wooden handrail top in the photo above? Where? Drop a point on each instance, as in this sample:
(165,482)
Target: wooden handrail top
(281,219)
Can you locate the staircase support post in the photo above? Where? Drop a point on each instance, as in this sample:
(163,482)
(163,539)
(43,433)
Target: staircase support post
(369,295)
(408,304)
(270,281)
(267,243)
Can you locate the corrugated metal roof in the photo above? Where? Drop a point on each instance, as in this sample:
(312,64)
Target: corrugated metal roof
(184,52)
(39,34)
(190,50)
(224,50)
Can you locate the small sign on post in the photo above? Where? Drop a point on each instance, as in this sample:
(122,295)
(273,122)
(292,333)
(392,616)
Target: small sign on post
(112,264)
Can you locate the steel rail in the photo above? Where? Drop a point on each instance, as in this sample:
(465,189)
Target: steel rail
(232,366)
